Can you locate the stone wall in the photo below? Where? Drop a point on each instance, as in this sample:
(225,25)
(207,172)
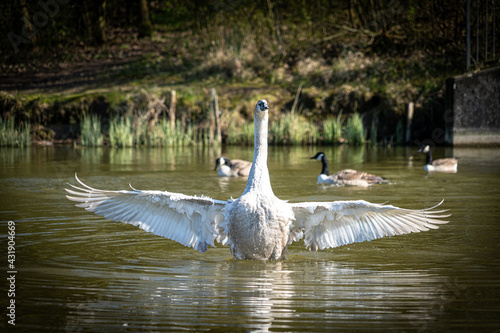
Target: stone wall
(473,109)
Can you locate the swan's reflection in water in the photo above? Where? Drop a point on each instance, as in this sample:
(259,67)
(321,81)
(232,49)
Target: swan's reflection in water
(263,296)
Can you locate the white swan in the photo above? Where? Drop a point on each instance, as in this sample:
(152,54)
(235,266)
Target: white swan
(346,176)
(440,165)
(257,225)
(232,168)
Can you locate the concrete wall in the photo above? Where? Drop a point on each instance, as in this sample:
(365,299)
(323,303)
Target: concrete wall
(473,109)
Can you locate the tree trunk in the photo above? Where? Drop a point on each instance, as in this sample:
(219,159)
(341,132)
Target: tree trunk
(87,22)
(27,22)
(94,19)
(145,28)
(100,35)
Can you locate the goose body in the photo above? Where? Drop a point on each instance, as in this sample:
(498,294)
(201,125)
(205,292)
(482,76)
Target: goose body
(439,165)
(346,176)
(257,225)
(232,168)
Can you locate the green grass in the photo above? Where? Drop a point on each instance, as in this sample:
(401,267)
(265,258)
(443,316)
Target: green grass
(165,135)
(13,135)
(354,130)
(124,133)
(332,130)
(290,129)
(120,132)
(293,129)
(241,136)
(91,131)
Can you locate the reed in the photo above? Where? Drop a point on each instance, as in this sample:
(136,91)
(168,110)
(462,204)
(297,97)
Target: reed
(290,129)
(313,133)
(91,131)
(247,133)
(232,134)
(293,129)
(332,130)
(140,131)
(13,135)
(163,134)
(120,132)
(354,130)
(241,136)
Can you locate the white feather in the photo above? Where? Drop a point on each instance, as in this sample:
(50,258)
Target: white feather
(189,220)
(339,223)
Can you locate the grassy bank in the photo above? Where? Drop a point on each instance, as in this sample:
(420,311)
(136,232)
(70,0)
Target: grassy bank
(312,102)
(141,118)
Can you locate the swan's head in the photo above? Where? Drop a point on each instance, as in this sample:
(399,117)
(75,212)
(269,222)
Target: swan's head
(319,156)
(424,149)
(261,106)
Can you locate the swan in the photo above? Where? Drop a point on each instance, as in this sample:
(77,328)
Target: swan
(232,168)
(441,165)
(257,225)
(346,176)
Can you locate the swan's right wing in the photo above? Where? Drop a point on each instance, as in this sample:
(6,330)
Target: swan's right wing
(189,220)
(332,224)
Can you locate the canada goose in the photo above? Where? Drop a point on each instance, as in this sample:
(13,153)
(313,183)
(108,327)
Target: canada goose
(441,165)
(257,225)
(346,176)
(232,168)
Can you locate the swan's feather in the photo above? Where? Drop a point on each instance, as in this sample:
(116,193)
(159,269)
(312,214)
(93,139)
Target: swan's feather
(190,220)
(333,224)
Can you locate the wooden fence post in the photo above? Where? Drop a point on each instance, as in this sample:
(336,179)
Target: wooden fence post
(171,109)
(214,104)
(409,120)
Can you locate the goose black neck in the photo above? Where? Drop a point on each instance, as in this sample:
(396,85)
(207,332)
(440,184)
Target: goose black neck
(428,159)
(324,162)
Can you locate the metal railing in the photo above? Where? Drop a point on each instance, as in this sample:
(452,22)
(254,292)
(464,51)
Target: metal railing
(482,25)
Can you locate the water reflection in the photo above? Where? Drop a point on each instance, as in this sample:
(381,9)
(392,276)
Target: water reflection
(263,296)
(79,272)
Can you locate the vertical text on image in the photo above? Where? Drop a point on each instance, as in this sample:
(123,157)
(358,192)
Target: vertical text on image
(11,272)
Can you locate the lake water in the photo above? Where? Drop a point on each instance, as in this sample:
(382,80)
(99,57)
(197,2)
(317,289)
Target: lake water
(79,272)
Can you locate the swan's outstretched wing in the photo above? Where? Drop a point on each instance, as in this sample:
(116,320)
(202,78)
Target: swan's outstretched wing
(189,220)
(332,224)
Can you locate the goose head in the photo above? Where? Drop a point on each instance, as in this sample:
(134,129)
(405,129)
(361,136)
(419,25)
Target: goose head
(324,165)
(319,156)
(221,161)
(424,149)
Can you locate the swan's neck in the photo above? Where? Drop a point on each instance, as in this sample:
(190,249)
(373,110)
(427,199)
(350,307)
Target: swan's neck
(258,178)
(428,159)
(324,170)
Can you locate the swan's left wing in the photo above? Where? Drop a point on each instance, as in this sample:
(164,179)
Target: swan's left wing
(189,220)
(332,224)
